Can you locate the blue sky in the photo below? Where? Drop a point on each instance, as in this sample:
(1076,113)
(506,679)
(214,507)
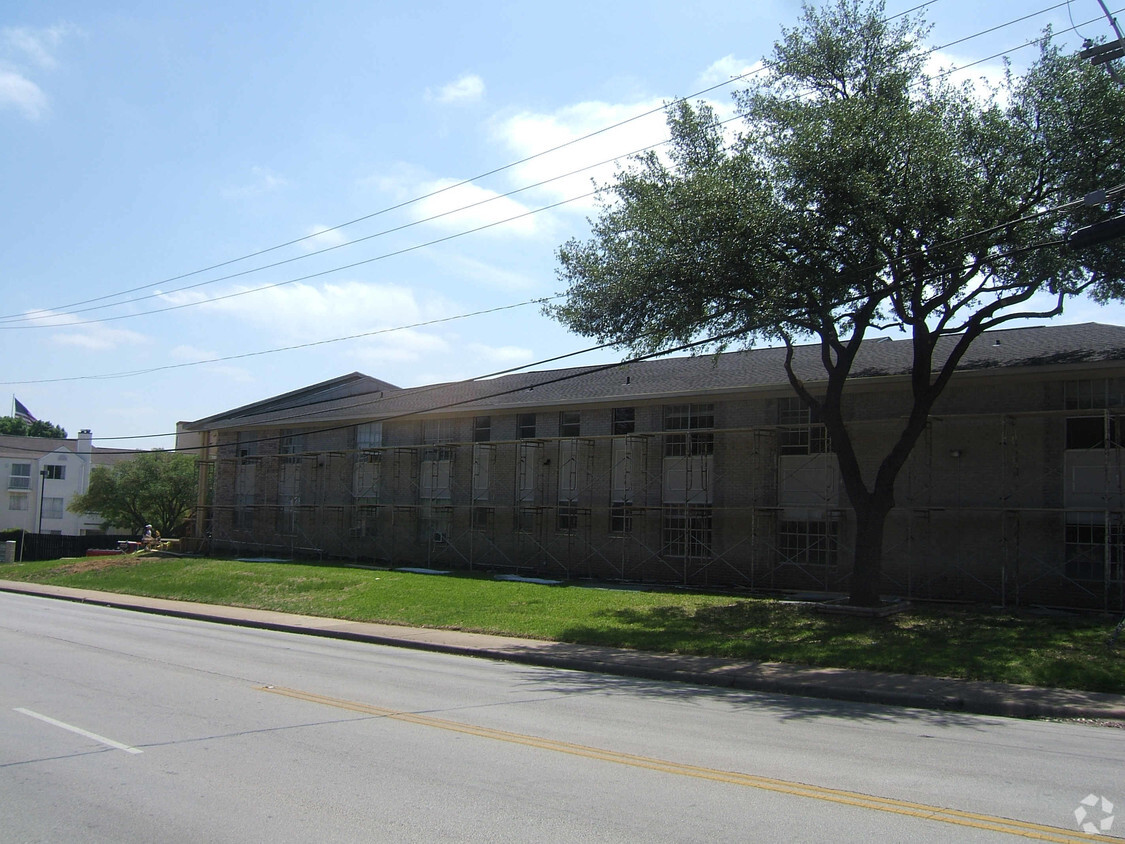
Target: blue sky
(146,142)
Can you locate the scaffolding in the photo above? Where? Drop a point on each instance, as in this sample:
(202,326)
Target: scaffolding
(992,508)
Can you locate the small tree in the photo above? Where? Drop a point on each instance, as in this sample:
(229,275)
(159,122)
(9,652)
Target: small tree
(863,195)
(16,427)
(157,488)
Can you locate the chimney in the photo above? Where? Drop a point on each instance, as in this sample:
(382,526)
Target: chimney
(85,441)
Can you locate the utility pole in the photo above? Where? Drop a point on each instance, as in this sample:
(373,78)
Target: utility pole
(1106,53)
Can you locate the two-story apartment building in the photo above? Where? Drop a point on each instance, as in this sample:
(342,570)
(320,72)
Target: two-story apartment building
(698,470)
(40,478)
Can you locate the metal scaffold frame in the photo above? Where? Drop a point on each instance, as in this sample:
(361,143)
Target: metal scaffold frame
(583,507)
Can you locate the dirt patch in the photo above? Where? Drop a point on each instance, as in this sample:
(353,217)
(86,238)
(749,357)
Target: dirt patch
(80,565)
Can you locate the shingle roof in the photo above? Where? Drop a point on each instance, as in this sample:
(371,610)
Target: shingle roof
(742,370)
(34,448)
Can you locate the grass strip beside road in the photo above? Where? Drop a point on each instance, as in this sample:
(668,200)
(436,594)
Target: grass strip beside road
(1064,651)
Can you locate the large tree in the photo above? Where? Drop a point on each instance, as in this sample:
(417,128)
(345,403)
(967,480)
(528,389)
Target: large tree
(18,427)
(863,194)
(157,488)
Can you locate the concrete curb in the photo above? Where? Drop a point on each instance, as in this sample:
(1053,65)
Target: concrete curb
(868,687)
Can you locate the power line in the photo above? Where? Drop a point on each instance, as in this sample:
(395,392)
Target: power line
(62,310)
(311,344)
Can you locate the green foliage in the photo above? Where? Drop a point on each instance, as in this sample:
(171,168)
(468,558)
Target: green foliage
(16,427)
(862,195)
(157,488)
(1000,646)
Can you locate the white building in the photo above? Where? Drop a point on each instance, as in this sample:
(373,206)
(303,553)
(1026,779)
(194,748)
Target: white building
(41,476)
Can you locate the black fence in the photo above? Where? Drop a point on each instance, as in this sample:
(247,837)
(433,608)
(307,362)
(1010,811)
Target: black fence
(46,546)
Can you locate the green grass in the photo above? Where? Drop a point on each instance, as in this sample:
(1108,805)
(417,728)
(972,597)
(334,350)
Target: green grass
(1057,651)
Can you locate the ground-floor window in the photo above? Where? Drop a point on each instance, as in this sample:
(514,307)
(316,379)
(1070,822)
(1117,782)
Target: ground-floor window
(687,531)
(566,517)
(620,517)
(52,508)
(808,542)
(482,518)
(1088,543)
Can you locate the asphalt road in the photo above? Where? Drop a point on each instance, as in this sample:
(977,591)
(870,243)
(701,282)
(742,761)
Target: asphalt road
(119,726)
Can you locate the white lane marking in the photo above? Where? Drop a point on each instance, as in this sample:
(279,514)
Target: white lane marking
(106,741)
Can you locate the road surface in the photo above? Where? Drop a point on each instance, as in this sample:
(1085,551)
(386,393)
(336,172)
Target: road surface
(122,726)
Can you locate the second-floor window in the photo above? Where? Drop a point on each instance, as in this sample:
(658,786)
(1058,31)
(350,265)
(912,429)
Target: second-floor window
(801,430)
(570,423)
(689,419)
(525,426)
(55,473)
(20,477)
(482,429)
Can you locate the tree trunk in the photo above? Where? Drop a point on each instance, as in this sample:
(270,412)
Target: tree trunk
(867,565)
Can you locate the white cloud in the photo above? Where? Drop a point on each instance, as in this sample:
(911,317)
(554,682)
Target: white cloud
(21,93)
(942,64)
(191,354)
(99,338)
(38,45)
(487,274)
(322,237)
(262,181)
(454,207)
(530,133)
(729,68)
(460,207)
(504,355)
(467,89)
(305,313)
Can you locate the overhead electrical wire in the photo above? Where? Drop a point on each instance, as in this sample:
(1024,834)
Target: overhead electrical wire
(367,401)
(135,372)
(387,330)
(58,311)
(664,352)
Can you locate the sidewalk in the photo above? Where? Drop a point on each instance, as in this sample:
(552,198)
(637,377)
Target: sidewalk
(833,683)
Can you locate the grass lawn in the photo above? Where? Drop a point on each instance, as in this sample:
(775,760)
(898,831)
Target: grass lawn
(1061,651)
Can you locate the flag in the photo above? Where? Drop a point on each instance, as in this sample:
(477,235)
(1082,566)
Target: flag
(21,412)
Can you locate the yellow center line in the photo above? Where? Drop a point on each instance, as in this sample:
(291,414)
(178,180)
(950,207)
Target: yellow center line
(1024,829)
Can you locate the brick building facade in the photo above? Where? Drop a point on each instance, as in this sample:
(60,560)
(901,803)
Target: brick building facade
(702,471)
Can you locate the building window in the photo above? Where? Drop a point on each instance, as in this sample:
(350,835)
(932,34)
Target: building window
(570,423)
(286,521)
(52,508)
(20,477)
(807,542)
(1093,394)
(366,477)
(525,425)
(687,531)
(1087,545)
(247,447)
(482,518)
(566,517)
(55,473)
(525,520)
(435,431)
(482,429)
(369,435)
(292,444)
(620,517)
(624,420)
(1090,432)
(801,430)
(689,418)
(17,501)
